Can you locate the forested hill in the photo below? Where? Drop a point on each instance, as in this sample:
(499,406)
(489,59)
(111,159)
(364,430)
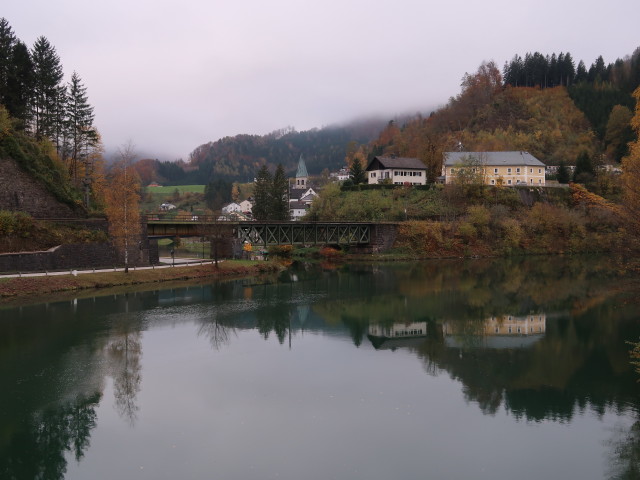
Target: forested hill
(240,157)
(541,104)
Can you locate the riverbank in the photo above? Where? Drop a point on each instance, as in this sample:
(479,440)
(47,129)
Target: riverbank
(25,287)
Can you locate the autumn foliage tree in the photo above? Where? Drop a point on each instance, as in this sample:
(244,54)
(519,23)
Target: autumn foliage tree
(631,174)
(122,198)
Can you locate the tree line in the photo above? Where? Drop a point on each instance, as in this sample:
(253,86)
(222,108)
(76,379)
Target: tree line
(548,71)
(42,105)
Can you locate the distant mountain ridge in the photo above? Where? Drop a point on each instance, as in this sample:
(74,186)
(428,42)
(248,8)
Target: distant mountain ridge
(239,158)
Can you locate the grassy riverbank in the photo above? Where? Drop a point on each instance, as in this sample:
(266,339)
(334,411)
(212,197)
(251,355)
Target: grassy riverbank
(25,287)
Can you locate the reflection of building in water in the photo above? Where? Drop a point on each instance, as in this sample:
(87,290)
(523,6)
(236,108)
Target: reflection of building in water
(397,335)
(503,331)
(415,329)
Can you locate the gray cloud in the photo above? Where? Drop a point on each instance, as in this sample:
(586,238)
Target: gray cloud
(170,76)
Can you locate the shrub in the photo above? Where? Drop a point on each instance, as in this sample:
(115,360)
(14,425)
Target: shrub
(280,250)
(467,231)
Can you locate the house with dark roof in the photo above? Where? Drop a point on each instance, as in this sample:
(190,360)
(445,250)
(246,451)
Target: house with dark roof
(396,170)
(496,168)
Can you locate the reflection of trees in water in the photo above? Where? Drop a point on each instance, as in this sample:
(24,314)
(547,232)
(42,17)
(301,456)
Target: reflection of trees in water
(624,456)
(217,331)
(125,354)
(276,318)
(38,451)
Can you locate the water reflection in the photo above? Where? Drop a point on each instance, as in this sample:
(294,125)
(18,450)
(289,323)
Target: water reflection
(539,340)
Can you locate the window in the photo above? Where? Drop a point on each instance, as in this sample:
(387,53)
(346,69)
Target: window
(495,170)
(539,170)
(518,170)
(493,182)
(531,181)
(509,170)
(452,170)
(531,170)
(509,182)
(373,174)
(396,173)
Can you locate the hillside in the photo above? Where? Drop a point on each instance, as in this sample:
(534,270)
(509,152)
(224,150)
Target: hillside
(238,158)
(32,181)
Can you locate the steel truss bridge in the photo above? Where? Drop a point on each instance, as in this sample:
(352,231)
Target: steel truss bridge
(304,233)
(262,233)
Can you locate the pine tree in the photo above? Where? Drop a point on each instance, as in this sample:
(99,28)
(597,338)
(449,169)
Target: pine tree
(47,73)
(20,85)
(78,126)
(262,194)
(280,195)
(7,42)
(563,173)
(584,171)
(356,173)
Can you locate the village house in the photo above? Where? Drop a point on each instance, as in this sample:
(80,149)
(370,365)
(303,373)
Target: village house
(245,207)
(165,207)
(496,168)
(396,170)
(340,176)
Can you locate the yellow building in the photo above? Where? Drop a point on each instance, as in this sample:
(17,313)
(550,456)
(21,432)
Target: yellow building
(494,168)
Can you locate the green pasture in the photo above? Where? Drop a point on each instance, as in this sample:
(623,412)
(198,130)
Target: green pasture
(172,188)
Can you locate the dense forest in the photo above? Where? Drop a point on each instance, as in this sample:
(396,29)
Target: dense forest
(239,158)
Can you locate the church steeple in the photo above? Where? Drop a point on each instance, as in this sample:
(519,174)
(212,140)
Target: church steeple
(301,174)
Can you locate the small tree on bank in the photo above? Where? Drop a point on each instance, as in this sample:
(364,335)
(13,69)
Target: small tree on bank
(122,198)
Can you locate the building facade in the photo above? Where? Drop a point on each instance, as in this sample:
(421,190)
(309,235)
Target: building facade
(396,170)
(495,168)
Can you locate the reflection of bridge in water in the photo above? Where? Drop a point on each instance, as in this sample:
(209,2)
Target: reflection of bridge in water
(273,233)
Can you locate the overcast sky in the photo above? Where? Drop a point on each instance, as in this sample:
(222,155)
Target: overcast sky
(170,76)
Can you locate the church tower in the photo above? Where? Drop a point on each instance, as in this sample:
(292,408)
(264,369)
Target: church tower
(301,175)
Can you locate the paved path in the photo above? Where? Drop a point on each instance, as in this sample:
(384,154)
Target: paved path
(165,262)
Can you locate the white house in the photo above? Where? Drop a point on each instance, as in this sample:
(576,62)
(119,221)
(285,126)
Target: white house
(232,208)
(245,206)
(165,207)
(396,170)
(300,201)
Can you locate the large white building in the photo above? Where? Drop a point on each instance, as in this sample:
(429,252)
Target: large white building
(496,168)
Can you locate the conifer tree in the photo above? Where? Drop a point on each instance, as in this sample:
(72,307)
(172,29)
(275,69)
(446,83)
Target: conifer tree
(78,126)
(280,195)
(356,173)
(563,173)
(47,75)
(20,85)
(262,194)
(7,42)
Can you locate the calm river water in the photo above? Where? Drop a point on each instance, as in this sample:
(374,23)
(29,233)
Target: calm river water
(441,370)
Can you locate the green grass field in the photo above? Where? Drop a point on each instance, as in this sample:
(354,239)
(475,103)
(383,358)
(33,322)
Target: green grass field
(181,188)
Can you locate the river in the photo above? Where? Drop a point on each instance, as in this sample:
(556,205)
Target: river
(483,369)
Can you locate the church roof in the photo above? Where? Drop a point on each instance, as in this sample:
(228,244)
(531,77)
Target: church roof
(302,168)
